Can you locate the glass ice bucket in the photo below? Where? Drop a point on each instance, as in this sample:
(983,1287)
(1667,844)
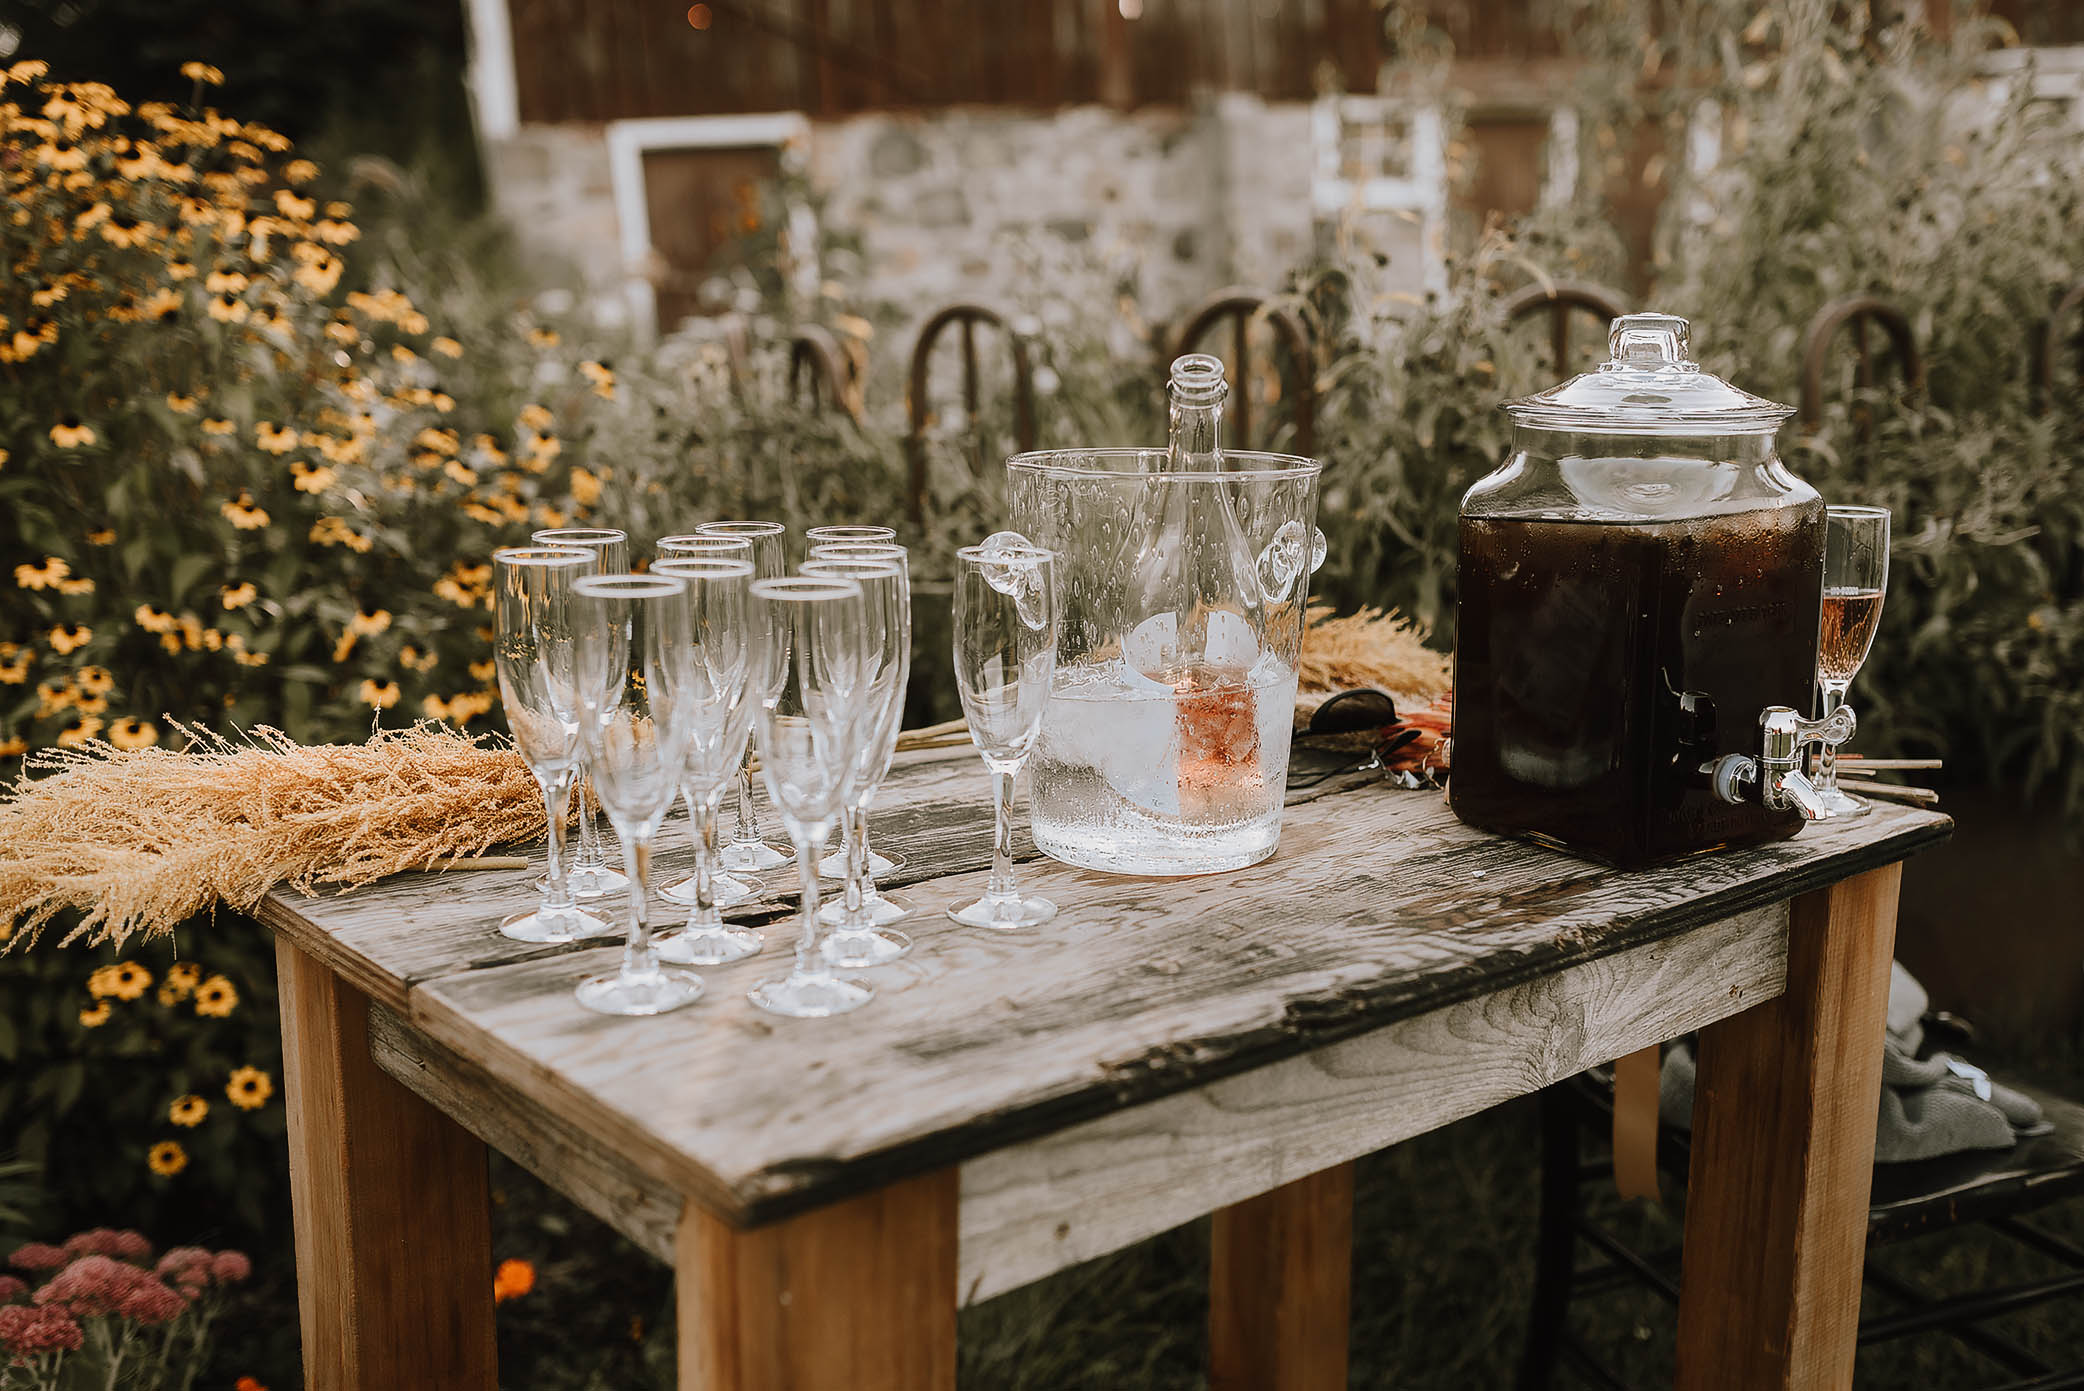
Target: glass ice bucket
(1182,579)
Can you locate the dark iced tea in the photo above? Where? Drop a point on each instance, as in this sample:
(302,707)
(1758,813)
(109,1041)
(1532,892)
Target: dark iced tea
(1598,665)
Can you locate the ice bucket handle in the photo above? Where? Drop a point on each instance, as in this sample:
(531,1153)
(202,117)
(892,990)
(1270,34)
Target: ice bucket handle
(1285,558)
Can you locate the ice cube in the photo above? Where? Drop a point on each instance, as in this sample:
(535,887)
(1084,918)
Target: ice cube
(1122,724)
(1152,646)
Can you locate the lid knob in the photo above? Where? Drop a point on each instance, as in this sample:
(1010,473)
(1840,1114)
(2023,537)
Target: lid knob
(1649,342)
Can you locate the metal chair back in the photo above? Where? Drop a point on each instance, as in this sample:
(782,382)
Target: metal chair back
(1298,381)
(1856,312)
(1560,300)
(966,318)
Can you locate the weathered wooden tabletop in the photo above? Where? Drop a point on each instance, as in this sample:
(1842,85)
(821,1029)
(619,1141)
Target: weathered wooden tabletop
(1379,907)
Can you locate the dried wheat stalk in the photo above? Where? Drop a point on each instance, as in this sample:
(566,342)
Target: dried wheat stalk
(140,841)
(1371,648)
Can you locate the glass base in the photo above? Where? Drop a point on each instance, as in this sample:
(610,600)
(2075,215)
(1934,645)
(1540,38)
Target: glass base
(1005,914)
(538,926)
(592,881)
(857,951)
(713,946)
(799,996)
(834,866)
(1840,803)
(638,995)
(752,856)
(729,892)
(879,911)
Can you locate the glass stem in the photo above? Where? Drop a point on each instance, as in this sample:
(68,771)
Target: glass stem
(638,958)
(704,810)
(748,819)
(589,834)
(1827,761)
(1002,885)
(809,850)
(557,804)
(857,861)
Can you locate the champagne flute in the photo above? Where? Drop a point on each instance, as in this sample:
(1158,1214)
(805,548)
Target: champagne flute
(817,536)
(810,725)
(727,889)
(747,852)
(1856,576)
(1005,659)
(836,865)
(887,608)
(721,701)
(636,658)
(591,875)
(538,686)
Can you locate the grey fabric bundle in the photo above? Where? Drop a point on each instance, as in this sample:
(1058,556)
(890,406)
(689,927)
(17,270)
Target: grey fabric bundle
(1929,1107)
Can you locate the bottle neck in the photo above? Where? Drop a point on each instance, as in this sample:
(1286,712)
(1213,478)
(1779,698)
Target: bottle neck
(1195,435)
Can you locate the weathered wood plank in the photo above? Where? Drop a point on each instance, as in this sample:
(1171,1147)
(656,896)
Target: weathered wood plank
(393,1223)
(1140,988)
(1783,1156)
(1092,1188)
(859,1295)
(1280,1287)
(567,1158)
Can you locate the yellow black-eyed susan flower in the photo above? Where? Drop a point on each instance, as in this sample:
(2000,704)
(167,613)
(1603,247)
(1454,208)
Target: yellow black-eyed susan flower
(214,426)
(276,439)
(13,746)
(167,1158)
(188,1111)
(96,1015)
(179,404)
(69,433)
(237,596)
(300,171)
(228,311)
(70,637)
(42,576)
(203,73)
(537,418)
(447,347)
(245,514)
(216,998)
(383,696)
(106,536)
(130,732)
(126,980)
(249,1088)
(180,982)
(82,730)
(95,680)
(309,478)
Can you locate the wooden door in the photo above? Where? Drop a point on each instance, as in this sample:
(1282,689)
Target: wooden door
(709,211)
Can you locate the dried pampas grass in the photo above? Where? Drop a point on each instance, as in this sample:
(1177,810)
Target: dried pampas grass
(140,841)
(1370,648)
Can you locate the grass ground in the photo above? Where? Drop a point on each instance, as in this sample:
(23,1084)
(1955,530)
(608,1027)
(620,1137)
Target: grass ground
(1443,1266)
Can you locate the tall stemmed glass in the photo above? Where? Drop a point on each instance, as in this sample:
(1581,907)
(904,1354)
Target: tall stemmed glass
(535,653)
(887,607)
(727,889)
(810,723)
(1856,576)
(591,875)
(817,536)
(747,852)
(721,700)
(636,677)
(837,864)
(1005,658)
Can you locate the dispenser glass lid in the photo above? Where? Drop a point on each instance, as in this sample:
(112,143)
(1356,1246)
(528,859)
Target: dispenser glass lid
(1649,386)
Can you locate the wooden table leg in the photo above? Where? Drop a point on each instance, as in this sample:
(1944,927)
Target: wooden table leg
(1280,1276)
(394,1224)
(1783,1156)
(858,1296)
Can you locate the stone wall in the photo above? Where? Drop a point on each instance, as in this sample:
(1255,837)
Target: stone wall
(943,203)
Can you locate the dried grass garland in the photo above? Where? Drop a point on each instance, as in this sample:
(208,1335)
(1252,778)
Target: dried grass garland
(142,840)
(1371,648)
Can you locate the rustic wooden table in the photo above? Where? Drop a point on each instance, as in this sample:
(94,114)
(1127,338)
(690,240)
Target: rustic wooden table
(829,1192)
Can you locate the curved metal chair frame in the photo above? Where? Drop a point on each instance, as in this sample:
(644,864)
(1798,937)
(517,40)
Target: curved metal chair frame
(1242,306)
(1857,311)
(2051,343)
(967,317)
(1558,298)
(820,367)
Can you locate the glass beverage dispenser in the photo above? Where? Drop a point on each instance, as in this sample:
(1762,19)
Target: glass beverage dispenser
(1637,616)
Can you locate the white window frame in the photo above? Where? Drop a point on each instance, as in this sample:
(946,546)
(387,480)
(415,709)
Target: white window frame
(629,141)
(1423,193)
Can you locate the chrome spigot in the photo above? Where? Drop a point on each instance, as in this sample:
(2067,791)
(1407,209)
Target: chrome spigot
(1784,737)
